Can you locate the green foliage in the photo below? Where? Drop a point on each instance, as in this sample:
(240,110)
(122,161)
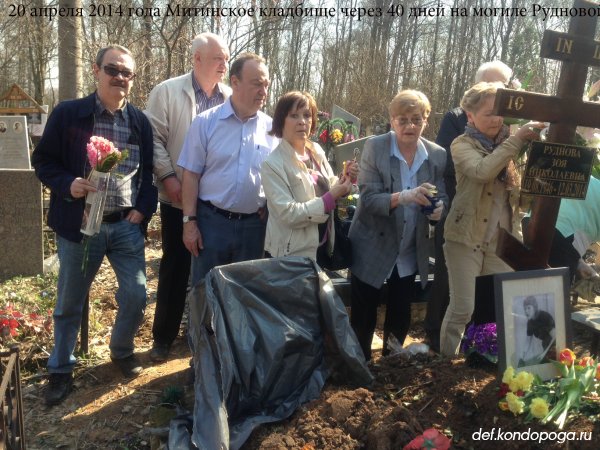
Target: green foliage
(26,305)
(336,124)
(112,160)
(30,293)
(172,395)
(331,132)
(596,167)
(576,381)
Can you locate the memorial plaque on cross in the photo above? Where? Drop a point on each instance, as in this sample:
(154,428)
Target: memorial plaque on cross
(565,111)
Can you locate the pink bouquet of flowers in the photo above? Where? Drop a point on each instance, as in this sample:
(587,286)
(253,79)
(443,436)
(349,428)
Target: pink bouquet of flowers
(103,155)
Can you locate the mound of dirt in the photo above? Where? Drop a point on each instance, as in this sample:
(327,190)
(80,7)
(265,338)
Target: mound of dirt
(407,397)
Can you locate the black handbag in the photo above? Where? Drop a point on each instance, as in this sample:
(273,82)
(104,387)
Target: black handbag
(341,257)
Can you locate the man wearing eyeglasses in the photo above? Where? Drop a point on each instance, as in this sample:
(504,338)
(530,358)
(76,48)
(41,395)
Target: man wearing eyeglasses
(61,163)
(171,107)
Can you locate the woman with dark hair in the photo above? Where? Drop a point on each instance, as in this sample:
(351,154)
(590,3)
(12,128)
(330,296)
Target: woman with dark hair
(299,184)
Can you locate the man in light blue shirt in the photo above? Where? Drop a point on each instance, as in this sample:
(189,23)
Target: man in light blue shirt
(223,203)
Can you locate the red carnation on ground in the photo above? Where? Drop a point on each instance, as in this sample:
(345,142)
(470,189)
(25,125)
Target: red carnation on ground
(431,439)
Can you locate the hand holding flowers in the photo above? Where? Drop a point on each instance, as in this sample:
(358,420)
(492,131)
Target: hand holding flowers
(103,157)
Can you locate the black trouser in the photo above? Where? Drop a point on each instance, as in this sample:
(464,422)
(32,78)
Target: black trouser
(440,291)
(363,315)
(173,276)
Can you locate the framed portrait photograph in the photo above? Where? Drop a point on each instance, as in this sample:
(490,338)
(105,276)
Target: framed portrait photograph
(533,319)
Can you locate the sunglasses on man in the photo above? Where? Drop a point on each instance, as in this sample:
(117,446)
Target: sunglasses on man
(114,72)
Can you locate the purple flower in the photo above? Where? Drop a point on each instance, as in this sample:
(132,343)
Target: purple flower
(481,338)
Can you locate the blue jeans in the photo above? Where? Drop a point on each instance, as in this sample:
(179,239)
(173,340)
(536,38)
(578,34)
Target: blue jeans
(226,241)
(123,245)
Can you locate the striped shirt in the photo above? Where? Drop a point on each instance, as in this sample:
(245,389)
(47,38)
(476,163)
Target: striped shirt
(203,102)
(122,188)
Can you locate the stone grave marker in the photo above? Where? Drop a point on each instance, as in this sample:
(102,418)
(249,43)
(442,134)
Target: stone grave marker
(577,50)
(14,143)
(20,191)
(36,122)
(20,223)
(347,151)
(341,113)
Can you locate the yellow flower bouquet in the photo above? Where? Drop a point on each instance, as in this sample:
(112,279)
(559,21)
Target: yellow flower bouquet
(523,393)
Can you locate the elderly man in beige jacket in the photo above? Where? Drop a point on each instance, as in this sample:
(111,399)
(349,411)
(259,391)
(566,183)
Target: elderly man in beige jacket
(172,105)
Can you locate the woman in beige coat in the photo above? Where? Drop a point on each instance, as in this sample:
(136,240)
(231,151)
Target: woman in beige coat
(487,198)
(299,184)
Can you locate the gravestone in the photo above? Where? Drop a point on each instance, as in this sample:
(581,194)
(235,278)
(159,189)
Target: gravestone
(14,143)
(577,50)
(340,113)
(348,151)
(20,223)
(36,122)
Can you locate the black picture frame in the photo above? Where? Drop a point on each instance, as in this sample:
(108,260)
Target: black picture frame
(527,304)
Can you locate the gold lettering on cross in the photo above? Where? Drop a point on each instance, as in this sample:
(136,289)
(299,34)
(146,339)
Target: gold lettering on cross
(564,45)
(516,103)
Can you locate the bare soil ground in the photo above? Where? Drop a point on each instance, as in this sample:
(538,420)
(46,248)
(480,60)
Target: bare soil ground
(107,412)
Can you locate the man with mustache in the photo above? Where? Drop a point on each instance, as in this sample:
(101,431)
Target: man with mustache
(171,107)
(61,163)
(223,202)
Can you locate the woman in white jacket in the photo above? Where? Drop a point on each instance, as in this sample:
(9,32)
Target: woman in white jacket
(299,184)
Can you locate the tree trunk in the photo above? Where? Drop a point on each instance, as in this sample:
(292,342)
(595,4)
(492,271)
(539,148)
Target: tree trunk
(69,53)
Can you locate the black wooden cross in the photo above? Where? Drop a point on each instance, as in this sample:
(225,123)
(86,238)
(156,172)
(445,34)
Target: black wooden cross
(577,50)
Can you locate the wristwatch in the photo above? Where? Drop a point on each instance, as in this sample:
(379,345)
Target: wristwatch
(187,219)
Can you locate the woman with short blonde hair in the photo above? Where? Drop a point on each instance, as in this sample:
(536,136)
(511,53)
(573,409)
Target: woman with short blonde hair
(474,98)
(487,199)
(408,101)
(399,173)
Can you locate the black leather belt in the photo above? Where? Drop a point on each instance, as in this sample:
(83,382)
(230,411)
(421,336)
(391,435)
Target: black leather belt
(230,215)
(116,216)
